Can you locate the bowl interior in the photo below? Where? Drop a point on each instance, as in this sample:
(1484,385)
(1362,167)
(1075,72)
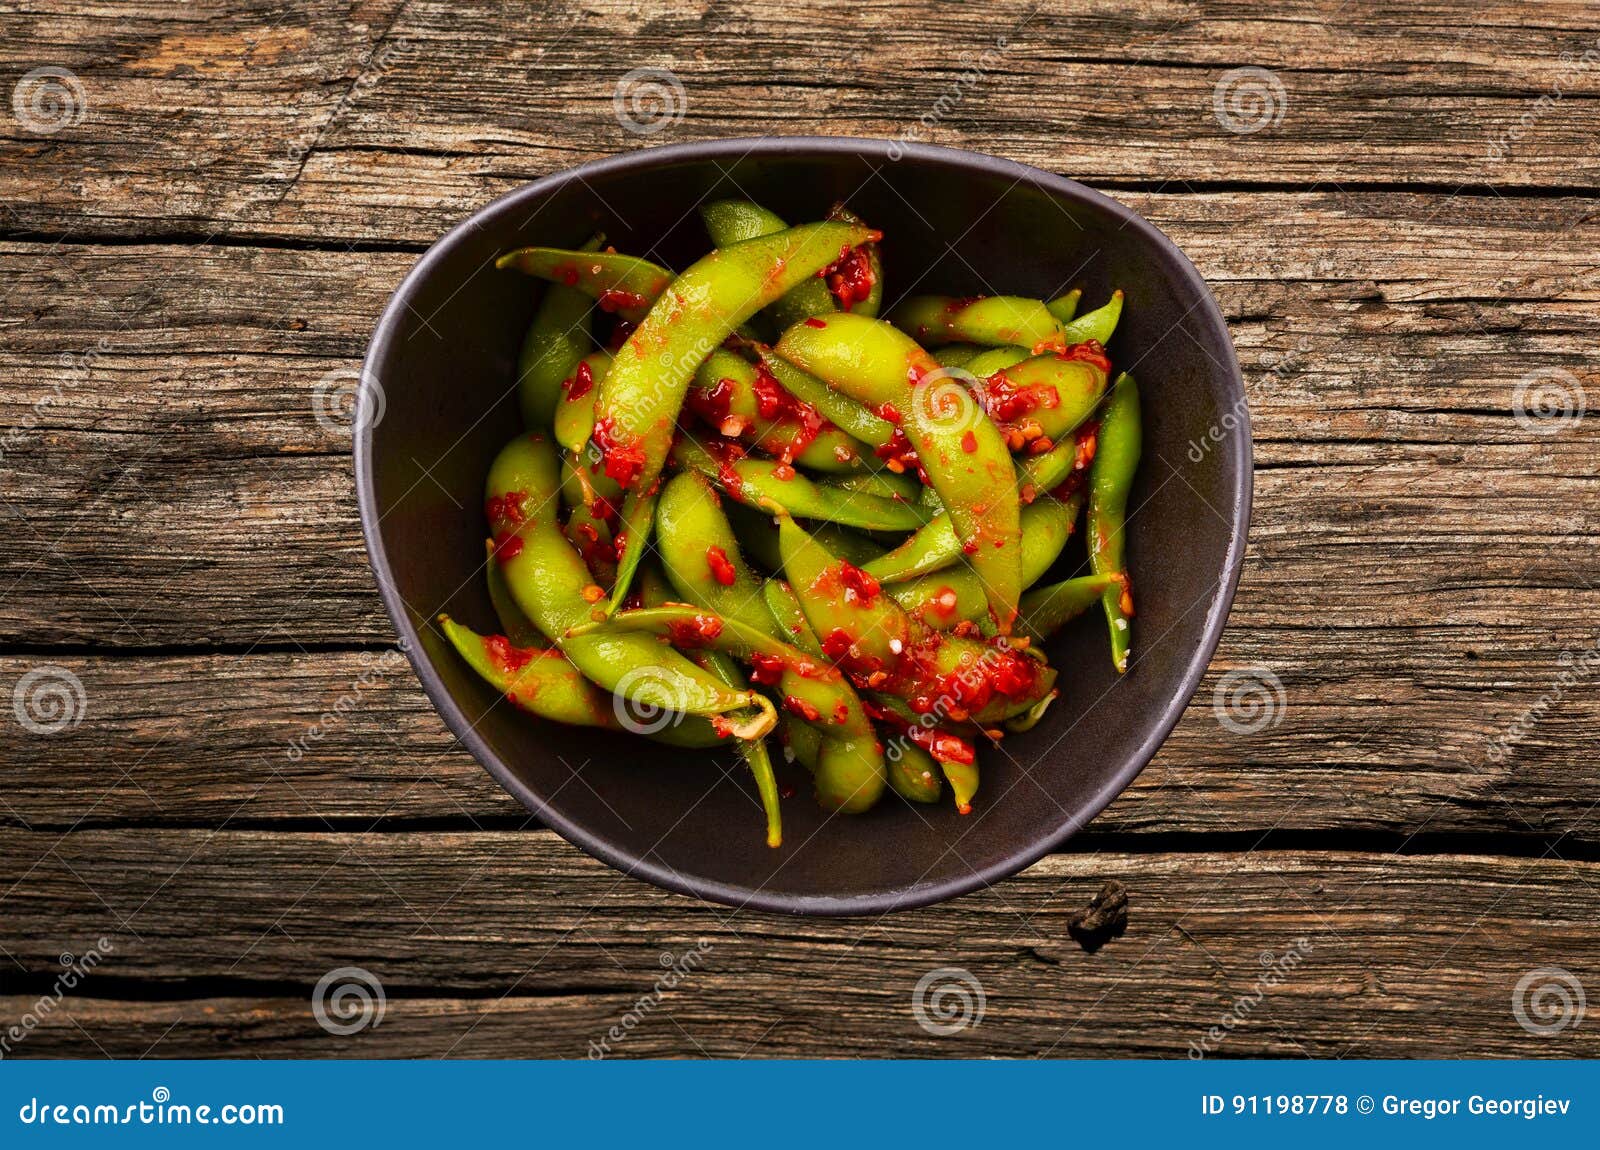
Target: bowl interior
(954,223)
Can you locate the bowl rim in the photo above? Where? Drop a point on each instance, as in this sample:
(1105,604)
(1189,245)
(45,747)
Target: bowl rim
(821,147)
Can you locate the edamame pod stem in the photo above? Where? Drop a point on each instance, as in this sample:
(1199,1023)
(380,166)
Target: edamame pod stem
(731,222)
(514,625)
(1064,307)
(1097,324)
(993,321)
(841,410)
(962,453)
(753,751)
(557,339)
(1046,526)
(549,581)
(574,415)
(636,407)
(1110,477)
(947,598)
(760,483)
(1045,610)
(626,285)
(742,400)
(880,646)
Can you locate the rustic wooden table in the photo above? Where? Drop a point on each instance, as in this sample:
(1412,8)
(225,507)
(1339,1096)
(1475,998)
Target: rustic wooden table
(205,206)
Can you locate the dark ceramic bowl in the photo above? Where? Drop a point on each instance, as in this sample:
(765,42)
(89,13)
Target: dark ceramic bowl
(438,402)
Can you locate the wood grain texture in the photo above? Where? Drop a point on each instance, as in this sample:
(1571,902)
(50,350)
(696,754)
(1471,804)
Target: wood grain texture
(352,121)
(512,944)
(349,741)
(202,248)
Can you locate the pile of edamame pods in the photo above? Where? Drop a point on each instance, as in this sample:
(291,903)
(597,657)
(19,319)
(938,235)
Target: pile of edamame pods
(743,504)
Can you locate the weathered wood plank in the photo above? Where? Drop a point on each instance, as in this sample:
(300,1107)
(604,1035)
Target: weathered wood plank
(1390,745)
(1400,955)
(1383,380)
(367,120)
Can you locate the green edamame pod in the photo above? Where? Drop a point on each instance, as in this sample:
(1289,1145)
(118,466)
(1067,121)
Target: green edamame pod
(861,272)
(550,583)
(801,741)
(963,454)
(1050,394)
(1046,526)
(701,553)
(913,775)
(1097,325)
(539,681)
(993,321)
(1110,478)
(637,405)
(557,339)
(850,774)
(574,415)
(626,285)
(760,483)
(744,401)
(948,596)
(545,683)
(879,645)
(731,222)
(883,484)
(1045,610)
(514,625)
(985,364)
(841,410)
(956,354)
(1064,307)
